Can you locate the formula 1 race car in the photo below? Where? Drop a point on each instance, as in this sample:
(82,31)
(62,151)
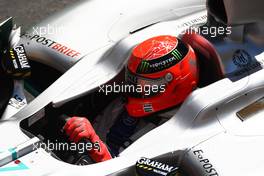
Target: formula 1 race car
(217,130)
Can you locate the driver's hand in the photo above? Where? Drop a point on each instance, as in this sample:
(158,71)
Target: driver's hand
(78,128)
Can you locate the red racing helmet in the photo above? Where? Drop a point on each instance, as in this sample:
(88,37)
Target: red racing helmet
(163,71)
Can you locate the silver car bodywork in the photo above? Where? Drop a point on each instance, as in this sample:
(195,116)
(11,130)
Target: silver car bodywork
(206,130)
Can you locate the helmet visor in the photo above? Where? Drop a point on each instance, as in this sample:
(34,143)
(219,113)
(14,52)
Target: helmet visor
(141,87)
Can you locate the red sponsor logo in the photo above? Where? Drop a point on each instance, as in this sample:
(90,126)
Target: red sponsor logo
(54,45)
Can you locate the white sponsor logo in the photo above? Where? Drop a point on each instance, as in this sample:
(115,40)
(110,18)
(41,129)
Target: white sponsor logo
(156,164)
(21,54)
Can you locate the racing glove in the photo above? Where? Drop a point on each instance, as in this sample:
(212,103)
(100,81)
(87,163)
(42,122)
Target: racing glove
(79,128)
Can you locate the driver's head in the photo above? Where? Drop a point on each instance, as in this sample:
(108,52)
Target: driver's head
(163,71)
